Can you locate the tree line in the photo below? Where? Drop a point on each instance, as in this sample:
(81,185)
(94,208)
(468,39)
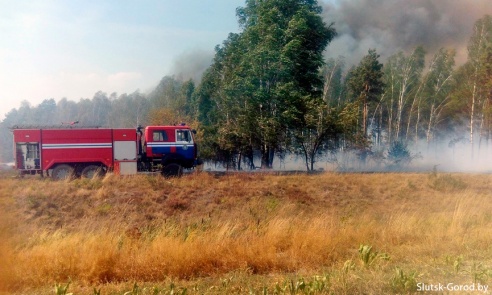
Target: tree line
(270,92)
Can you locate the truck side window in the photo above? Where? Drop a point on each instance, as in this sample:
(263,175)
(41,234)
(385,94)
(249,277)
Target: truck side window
(183,135)
(159,136)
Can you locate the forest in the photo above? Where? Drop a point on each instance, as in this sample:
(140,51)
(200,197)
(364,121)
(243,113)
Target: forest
(270,91)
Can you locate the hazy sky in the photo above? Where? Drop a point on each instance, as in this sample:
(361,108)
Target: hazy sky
(72,49)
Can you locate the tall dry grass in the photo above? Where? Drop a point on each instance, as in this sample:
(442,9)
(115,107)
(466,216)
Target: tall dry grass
(149,229)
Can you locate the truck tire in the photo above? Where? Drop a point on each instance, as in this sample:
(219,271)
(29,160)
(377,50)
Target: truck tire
(62,172)
(172,170)
(92,171)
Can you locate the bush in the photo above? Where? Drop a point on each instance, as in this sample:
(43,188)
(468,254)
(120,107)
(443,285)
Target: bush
(398,153)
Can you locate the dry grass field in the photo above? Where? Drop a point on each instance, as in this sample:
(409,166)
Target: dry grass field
(246,234)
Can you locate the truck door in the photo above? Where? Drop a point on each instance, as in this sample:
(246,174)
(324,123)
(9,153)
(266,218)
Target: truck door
(184,145)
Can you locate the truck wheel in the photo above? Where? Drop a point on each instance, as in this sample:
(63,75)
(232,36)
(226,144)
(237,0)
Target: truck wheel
(92,171)
(62,172)
(172,170)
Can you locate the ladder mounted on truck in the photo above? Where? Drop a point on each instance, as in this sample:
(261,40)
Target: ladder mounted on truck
(62,126)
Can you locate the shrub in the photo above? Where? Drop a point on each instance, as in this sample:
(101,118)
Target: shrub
(399,154)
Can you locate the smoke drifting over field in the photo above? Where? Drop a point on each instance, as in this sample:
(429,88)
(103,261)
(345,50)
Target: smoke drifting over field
(442,156)
(391,26)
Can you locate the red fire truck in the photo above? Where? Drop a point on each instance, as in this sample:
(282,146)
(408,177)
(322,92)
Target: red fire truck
(77,151)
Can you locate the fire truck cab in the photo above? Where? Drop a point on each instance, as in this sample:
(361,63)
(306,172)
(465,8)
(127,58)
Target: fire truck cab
(169,148)
(87,152)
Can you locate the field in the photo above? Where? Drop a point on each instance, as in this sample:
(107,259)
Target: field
(247,234)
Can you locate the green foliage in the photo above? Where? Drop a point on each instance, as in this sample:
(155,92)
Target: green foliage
(61,289)
(262,80)
(455,261)
(366,83)
(457,264)
(480,273)
(368,256)
(402,282)
(402,77)
(334,88)
(399,154)
(480,41)
(438,85)
(348,266)
(321,132)
(316,285)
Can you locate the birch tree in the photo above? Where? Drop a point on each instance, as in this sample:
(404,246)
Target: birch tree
(478,51)
(439,83)
(402,75)
(333,84)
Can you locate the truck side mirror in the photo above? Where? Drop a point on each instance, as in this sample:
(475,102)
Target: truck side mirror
(193,130)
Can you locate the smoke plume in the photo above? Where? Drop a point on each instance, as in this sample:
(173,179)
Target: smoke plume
(192,64)
(390,26)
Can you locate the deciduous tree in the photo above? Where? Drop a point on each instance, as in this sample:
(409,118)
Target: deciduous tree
(261,76)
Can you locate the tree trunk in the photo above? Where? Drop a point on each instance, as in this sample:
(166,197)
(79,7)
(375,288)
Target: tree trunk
(312,161)
(472,117)
(417,120)
(364,116)
(399,113)
(429,126)
(306,156)
(380,128)
(239,161)
(266,157)
(390,121)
